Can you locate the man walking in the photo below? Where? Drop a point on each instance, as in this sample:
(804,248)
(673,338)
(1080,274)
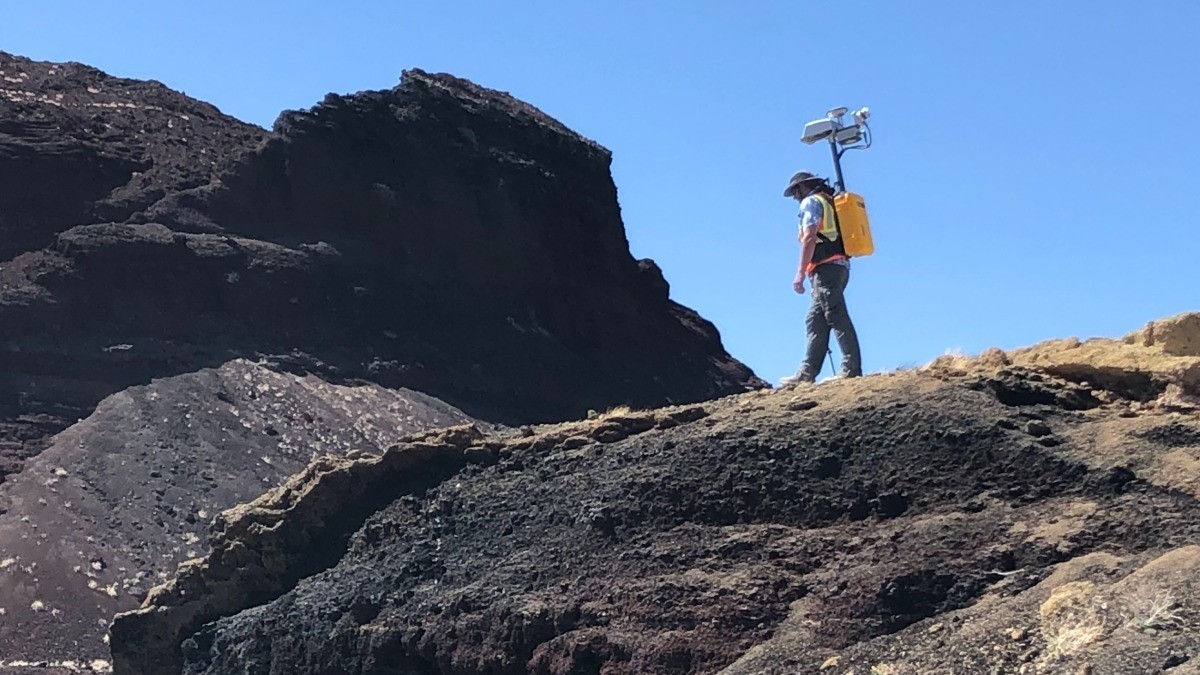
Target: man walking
(823,259)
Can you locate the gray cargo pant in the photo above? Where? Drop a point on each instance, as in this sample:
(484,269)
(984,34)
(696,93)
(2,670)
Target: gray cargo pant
(828,311)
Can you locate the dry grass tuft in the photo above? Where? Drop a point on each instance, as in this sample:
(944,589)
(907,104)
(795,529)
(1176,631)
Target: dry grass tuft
(1073,617)
(1071,633)
(619,411)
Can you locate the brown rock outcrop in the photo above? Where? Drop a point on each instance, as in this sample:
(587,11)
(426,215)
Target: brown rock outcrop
(1160,362)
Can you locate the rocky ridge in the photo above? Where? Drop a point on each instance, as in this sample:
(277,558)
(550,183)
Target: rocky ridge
(78,146)
(1025,512)
(436,236)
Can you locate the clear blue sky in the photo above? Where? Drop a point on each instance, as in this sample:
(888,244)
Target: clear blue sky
(1034,173)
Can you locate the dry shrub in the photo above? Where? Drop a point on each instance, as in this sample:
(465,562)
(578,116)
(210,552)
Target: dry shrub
(1077,614)
(1150,608)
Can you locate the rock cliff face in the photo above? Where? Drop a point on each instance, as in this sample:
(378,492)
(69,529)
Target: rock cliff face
(78,147)
(1028,512)
(437,236)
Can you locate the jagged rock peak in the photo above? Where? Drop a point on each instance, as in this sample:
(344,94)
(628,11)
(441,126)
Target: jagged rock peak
(418,88)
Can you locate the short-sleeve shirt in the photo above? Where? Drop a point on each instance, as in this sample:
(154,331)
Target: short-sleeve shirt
(810,219)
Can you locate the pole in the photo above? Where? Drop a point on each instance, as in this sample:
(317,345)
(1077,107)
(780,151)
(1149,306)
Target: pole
(841,186)
(837,164)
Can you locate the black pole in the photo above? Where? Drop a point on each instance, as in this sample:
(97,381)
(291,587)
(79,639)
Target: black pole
(837,164)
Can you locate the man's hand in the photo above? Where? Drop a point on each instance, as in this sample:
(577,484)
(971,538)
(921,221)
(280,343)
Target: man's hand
(808,244)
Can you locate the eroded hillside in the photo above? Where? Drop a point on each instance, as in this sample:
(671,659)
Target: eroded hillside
(119,499)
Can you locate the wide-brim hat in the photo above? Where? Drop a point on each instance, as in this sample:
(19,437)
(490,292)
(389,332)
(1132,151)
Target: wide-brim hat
(799,179)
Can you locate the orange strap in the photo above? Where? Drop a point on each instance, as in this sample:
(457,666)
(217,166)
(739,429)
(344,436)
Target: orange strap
(812,266)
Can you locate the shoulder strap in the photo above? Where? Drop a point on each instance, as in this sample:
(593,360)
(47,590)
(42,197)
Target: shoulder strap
(830,212)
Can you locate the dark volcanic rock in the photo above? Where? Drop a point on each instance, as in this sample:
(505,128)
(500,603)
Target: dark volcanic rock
(120,499)
(78,146)
(437,236)
(486,237)
(676,541)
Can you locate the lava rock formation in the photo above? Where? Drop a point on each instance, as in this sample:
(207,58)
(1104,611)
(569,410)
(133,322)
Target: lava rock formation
(437,236)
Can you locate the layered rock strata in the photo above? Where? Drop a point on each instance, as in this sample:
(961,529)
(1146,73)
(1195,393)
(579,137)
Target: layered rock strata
(438,236)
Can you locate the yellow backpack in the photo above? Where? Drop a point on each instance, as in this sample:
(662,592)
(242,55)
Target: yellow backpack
(850,211)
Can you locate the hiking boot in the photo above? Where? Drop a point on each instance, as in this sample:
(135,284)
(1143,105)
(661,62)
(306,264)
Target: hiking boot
(792,381)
